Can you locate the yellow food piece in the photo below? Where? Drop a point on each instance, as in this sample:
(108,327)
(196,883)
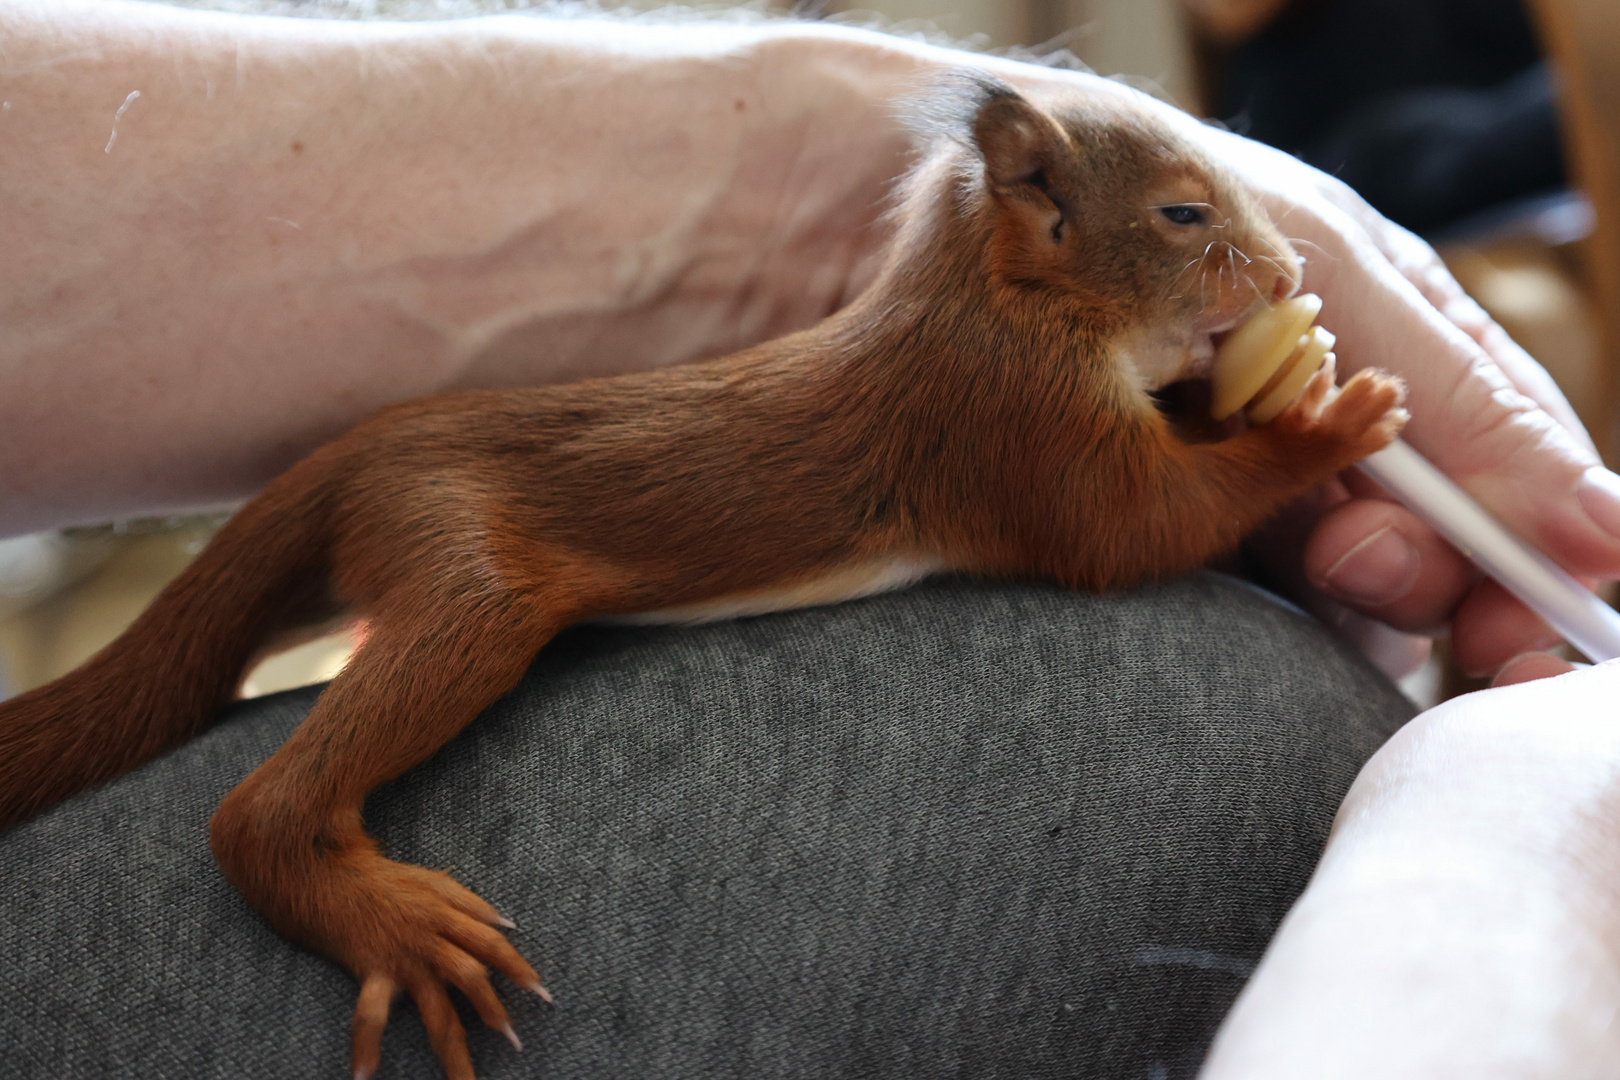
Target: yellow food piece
(1307,358)
(1251,354)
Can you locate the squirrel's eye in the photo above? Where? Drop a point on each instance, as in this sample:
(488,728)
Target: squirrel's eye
(1182,214)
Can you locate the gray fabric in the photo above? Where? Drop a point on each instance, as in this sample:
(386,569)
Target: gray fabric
(963,831)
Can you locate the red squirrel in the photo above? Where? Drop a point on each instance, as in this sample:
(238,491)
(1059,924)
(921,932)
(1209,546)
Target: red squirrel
(983,407)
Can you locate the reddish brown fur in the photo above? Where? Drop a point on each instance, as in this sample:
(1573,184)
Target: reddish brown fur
(969,408)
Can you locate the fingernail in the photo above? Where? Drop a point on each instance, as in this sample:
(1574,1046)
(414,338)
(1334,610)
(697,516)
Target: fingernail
(511,1037)
(363,1073)
(1379,570)
(1528,666)
(1599,495)
(545,995)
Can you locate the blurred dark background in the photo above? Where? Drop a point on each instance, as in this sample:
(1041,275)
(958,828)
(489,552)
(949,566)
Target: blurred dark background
(1434,110)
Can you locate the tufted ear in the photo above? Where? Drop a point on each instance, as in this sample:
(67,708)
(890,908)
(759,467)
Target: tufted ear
(1019,142)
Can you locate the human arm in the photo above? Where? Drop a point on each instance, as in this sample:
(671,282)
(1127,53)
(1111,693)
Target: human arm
(300,221)
(1462,920)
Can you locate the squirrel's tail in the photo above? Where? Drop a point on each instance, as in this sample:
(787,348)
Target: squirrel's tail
(161,681)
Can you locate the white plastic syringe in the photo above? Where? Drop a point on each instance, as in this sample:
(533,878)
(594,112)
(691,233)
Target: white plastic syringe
(1264,364)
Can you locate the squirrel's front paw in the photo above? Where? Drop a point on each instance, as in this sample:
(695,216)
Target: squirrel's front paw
(1362,418)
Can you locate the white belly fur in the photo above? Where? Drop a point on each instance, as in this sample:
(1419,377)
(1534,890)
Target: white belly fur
(866,578)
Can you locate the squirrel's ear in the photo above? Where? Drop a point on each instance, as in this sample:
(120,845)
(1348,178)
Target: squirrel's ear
(1019,142)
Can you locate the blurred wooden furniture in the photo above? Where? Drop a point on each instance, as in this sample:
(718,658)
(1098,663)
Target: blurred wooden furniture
(1226,23)
(1583,39)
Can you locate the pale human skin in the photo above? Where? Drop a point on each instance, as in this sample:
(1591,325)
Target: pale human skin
(299,221)
(295,222)
(1463,920)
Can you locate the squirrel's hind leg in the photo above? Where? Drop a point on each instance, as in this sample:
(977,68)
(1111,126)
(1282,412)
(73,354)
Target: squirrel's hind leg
(290,836)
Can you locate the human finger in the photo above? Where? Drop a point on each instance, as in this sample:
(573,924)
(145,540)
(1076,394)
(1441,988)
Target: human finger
(1528,667)
(1491,627)
(1378,558)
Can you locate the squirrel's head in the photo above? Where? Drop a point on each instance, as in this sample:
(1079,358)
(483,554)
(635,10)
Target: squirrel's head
(1093,202)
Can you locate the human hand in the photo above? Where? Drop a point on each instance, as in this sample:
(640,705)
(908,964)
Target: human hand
(1482,410)
(1461,921)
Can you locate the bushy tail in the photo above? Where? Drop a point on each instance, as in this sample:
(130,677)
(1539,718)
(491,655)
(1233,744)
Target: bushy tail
(161,681)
